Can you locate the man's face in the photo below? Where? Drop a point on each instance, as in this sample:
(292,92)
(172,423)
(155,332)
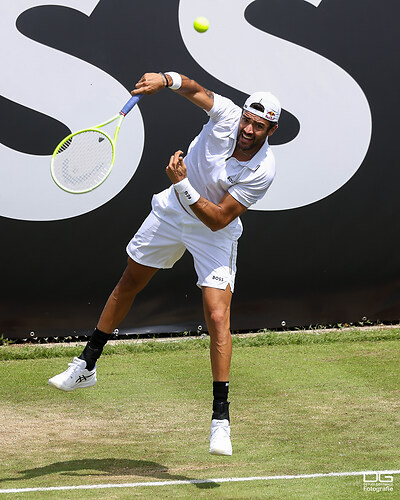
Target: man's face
(252,133)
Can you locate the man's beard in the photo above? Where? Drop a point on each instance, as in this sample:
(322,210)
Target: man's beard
(247,147)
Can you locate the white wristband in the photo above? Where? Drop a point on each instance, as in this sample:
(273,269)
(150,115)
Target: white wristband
(176,80)
(188,193)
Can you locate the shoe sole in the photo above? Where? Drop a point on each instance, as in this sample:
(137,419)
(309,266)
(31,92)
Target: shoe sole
(221,452)
(69,389)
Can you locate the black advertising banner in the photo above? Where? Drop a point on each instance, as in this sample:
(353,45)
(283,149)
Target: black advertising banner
(320,248)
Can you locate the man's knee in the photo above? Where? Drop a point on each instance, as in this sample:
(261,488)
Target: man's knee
(218,328)
(219,320)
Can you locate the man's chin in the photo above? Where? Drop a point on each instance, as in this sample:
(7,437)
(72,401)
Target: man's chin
(245,147)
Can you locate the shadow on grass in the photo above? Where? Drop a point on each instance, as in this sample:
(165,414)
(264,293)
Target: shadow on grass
(107,467)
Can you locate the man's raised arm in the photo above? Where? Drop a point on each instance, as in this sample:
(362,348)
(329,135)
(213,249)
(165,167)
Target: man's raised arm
(150,83)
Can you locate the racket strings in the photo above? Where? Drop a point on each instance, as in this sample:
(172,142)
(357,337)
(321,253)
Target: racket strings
(65,144)
(83,161)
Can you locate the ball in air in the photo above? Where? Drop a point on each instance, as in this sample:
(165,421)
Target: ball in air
(201,24)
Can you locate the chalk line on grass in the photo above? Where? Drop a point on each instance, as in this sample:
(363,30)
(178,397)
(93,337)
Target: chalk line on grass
(198,481)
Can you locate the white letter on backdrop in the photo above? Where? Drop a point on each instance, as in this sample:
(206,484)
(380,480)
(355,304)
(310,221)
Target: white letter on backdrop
(72,91)
(322,96)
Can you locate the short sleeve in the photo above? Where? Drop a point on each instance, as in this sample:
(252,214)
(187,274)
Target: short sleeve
(223,109)
(254,187)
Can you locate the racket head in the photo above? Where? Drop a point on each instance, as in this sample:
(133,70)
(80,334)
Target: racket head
(83,160)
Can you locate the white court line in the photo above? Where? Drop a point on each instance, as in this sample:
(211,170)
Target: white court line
(197,481)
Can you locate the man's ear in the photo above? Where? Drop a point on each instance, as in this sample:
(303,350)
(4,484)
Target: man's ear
(272,130)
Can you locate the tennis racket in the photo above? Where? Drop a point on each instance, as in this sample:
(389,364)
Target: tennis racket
(84,159)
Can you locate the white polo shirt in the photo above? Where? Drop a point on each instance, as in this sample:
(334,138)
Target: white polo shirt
(170,228)
(211,169)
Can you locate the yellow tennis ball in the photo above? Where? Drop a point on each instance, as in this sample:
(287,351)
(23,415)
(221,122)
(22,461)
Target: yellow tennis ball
(201,24)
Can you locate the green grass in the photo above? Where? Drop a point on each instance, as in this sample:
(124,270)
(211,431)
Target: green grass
(300,403)
(266,338)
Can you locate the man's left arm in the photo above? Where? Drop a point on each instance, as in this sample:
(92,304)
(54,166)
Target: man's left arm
(218,216)
(213,216)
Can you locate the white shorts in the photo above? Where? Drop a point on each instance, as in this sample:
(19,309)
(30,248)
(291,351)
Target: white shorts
(169,230)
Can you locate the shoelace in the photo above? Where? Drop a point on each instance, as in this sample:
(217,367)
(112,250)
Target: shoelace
(72,368)
(220,427)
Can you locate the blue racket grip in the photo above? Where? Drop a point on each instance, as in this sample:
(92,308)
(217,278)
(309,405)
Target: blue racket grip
(130,104)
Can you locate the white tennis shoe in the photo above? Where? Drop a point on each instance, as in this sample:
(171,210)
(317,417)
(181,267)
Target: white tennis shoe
(74,377)
(220,437)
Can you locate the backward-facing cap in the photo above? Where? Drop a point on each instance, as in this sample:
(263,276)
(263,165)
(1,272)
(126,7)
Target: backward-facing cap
(271,105)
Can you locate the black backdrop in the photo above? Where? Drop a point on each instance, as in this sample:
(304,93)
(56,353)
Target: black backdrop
(334,261)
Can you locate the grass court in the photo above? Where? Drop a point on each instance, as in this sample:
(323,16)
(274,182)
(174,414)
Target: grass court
(312,402)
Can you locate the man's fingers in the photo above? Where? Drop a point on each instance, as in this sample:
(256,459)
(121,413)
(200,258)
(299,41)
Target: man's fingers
(175,162)
(178,157)
(150,83)
(139,88)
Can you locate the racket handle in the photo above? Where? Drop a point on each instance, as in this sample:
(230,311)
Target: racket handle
(130,104)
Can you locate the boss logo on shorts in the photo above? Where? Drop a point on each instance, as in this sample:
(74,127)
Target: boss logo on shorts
(217,278)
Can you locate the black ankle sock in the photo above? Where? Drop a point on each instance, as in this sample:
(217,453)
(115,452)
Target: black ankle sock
(94,348)
(220,410)
(220,403)
(220,391)
(99,339)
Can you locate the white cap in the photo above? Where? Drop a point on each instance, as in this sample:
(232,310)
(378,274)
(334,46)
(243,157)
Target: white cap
(271,105)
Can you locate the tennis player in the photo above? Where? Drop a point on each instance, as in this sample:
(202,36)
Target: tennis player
(228,167)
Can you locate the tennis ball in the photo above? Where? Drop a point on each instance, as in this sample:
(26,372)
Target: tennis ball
(201,24)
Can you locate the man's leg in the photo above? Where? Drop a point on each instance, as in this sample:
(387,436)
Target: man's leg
(133,280)
(216,305)
(82,372)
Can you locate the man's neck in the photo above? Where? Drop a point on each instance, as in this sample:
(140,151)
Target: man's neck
(241,155)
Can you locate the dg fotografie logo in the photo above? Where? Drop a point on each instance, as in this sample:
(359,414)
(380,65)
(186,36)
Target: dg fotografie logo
(377,482)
